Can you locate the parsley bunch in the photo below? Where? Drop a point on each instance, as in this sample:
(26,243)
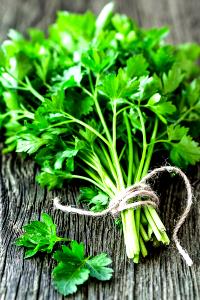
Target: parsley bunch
(73,267)
(96,101)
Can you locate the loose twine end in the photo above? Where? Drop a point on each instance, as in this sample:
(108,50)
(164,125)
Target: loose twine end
(121,202)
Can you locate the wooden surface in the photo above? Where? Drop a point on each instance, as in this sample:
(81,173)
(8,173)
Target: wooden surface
(163,275)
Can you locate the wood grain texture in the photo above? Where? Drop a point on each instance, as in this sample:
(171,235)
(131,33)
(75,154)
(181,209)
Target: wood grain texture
(163,275)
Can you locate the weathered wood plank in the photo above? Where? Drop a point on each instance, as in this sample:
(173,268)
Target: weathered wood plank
(161,276)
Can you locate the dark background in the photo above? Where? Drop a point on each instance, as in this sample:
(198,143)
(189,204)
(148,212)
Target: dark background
(163,274)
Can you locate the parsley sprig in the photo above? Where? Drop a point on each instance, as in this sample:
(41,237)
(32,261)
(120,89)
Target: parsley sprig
(39,236)
(98,101)
(72,268)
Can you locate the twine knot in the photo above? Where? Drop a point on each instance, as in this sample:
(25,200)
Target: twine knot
(121,202)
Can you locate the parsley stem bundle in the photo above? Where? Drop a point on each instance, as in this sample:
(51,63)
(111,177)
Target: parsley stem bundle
(98,102)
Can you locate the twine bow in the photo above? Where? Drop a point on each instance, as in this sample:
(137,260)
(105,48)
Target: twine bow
(121,202)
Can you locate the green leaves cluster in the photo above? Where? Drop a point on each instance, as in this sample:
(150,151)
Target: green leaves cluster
(73,268)
(135,69)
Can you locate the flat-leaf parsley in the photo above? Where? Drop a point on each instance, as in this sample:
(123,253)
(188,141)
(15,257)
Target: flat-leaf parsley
(94,101)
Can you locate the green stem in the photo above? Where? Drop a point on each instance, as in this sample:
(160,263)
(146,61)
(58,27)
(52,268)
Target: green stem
(137,219)
(156,219)
(33,91)
(144,150)
(122,152)
(150,209)
(93,161)
(118,168)
(109,138)
(123,109)
(185,114)
(139,173)
(124,175)
(165,238)
(21,114)
(93,176)
(114,125)
(152,224)
(161,141)
(100,112)
(130,234)
(91,83)
(101,187)
(74,120)
(150,149)
(143,233)
(107,161)
(130,149)
(142,247)
(143,219)
(102,172)
(128,217)
(150,231)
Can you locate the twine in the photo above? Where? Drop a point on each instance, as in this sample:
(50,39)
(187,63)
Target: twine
(121,202)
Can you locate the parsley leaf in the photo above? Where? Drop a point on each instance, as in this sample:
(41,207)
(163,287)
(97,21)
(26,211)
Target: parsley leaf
(185,152)
(29,143)
(173,79)
(118,86)
(98,267)
(39,236)
(74,268)
(160,107)
(176,133)
(137,66)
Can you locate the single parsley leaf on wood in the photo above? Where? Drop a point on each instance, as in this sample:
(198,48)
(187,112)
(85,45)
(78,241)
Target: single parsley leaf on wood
(74,268)
(67,276)
(39,236)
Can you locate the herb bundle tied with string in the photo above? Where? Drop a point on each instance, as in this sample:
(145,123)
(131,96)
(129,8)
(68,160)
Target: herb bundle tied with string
(94,102)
